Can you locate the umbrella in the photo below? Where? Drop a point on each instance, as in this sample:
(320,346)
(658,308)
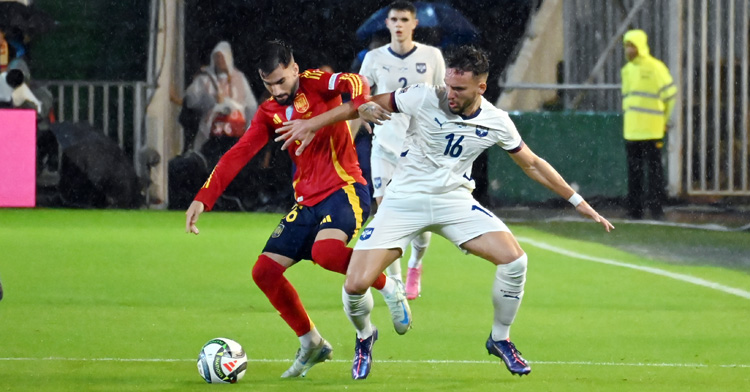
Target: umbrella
(455,28)
(95,172)
(28,19)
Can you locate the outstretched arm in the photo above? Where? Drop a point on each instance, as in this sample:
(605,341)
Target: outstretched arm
(543,173)
(304,130)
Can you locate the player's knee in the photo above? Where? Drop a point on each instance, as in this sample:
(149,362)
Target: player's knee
(355,286)
(265,269)
(331,254)
(324,250)
(513,273)
(422,241)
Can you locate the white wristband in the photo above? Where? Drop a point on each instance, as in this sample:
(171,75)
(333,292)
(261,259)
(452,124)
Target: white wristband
(575,200)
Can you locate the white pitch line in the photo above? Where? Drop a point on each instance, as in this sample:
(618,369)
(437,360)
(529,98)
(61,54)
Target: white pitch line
(427,361)
(652,270)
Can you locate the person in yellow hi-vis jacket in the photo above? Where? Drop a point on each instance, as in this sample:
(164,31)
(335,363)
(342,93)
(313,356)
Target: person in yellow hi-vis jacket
(648,97)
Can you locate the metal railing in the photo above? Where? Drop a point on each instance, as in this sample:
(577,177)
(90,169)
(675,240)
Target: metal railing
(716,47)
(705,43)
(115,108)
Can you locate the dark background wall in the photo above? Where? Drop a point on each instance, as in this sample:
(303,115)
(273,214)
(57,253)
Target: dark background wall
(323,31)
(108,40)
(94,40)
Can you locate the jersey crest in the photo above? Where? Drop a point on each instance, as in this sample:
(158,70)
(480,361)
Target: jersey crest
(300,103)
(366,233)
(482,131)
(421,68)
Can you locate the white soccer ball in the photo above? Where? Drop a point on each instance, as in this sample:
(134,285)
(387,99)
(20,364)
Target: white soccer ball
(222,360)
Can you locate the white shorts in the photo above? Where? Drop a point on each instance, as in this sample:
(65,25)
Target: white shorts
(382,166)
(454,215)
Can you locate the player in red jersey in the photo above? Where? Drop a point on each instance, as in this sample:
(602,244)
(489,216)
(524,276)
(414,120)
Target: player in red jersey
(332,199)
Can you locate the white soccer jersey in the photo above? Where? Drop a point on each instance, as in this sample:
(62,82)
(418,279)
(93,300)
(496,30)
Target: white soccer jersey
(440,147)
(389,71)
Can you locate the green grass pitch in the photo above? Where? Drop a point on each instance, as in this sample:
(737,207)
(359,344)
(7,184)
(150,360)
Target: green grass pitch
(124,300)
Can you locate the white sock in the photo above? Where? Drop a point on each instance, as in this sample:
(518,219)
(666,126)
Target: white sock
(310,339)
(507,292)
(418,248)
(358,309)
(394,270)
(390,286)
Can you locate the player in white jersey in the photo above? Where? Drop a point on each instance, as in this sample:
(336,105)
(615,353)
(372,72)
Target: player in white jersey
(431,190)
(400,63)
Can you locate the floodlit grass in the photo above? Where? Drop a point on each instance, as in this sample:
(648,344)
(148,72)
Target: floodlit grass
(123,301)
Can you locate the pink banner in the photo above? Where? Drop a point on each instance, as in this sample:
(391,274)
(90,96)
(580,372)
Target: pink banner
(17,158)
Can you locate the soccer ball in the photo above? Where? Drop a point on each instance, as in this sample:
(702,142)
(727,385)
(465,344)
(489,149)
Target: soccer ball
(222,360)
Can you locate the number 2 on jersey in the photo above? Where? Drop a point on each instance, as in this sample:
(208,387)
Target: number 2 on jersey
(402,80)
(453,149)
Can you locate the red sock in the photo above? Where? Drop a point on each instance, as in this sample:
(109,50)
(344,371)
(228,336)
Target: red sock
(269,276)
(334,255)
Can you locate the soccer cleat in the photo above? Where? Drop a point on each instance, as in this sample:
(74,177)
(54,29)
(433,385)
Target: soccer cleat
(399,308)
(414,283)
(506,350)
(306,358)
(363,356)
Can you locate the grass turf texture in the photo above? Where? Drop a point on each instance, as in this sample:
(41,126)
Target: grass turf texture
(123,300)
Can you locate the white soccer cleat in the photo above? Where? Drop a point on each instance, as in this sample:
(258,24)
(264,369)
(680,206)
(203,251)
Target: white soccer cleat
(306,358)
(399,308)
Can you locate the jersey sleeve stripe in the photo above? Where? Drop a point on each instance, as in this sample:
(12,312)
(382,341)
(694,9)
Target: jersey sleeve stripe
(517,149)
(356,85)
(393,103)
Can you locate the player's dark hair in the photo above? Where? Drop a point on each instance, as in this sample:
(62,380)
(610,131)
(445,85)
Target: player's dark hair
(274,53)
(468,58)
(402,5)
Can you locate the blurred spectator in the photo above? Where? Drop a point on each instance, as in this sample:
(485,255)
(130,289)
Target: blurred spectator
(15,93)
(4,52)
(222,96)
(219,105)
(648,98)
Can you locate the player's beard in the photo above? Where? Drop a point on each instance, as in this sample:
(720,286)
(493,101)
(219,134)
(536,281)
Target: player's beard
(458,109)
(289,98)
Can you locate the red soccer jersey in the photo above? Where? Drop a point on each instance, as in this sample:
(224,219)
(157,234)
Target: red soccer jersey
(328,163)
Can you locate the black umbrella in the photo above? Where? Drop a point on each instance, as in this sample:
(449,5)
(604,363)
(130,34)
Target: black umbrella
(453,26)
(28,19)
(95,172)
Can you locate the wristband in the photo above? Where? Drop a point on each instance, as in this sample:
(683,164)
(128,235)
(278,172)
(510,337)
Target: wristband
(576,199)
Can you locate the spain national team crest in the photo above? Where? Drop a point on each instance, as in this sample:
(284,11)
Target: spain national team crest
(482,131)
(421,68)
(300,103)
(366,233)
(277,232)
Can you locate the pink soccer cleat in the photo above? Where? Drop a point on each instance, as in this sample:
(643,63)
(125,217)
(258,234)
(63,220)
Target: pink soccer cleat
(413,283)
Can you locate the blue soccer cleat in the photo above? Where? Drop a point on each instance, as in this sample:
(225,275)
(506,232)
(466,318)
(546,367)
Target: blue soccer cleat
(363,356)
(506,350)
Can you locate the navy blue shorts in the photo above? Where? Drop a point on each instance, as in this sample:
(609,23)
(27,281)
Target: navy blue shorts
(346,209)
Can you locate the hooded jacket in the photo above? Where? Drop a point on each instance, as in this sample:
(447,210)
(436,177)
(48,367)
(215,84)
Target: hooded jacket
(648,92)
(202,93)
